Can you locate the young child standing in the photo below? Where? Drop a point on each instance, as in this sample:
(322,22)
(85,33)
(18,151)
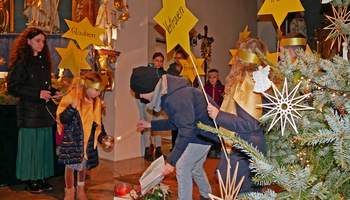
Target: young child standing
(213,87)
(80,111)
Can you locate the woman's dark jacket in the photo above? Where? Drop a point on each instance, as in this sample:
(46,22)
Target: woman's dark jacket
(25,82)
(72,147)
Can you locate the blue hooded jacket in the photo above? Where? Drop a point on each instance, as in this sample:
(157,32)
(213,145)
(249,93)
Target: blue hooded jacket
(185,106)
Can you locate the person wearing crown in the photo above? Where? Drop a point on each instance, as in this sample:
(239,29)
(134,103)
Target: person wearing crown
(239,113)
(80,111)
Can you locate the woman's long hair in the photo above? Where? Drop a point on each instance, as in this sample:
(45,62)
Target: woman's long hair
(22,51)
(241,67)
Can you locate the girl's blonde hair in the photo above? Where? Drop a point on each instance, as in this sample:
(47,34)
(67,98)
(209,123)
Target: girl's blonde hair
(241,67)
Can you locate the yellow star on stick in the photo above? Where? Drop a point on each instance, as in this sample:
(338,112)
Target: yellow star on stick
(243,35)
(188,69)
(177,21)
(280,8)
(84,33)
(73,59)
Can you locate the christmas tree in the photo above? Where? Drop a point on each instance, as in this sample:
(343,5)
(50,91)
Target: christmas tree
(308,150)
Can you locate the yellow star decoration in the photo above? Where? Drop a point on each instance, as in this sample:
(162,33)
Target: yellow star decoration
(233,53)
(273,57)
(280,8)
(177,21)
(84,33)
(188,69)
(340,17)
(73,59)
(308,49)
(279,34)
(243,35)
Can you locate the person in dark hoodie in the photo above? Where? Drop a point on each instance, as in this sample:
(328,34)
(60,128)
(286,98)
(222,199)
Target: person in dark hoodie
(185,106)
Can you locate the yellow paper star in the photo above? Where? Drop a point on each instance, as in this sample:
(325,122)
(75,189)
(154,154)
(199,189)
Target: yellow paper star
(308,49)
(188,69)
(244,34)
(177,21)
(233,53)
(273,57)
(73,59)
(84,33)
(280,9)
(279,34)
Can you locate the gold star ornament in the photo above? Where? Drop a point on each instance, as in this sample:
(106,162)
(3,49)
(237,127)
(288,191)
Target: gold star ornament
(73,59)
(280,8)
(177,21)
(243,35)
(84,33)
(188,68)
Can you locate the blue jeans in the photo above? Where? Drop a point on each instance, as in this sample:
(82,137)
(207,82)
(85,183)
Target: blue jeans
(190,166)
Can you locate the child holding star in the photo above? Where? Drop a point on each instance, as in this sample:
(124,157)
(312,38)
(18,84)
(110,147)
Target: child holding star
(80,111)
(239,112)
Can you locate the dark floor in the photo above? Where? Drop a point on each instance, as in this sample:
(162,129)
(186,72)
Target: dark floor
(101,184)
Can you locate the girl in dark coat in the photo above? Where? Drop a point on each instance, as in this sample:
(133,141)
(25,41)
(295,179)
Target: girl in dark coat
(239,113)
(80,111)
(29,79)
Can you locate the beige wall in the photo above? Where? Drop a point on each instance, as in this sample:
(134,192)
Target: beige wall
(137,43)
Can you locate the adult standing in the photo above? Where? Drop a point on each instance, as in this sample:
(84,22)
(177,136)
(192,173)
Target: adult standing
(151,139)
(29,80)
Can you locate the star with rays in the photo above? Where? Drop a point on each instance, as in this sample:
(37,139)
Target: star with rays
(228,191)
(284,106)
(340,19)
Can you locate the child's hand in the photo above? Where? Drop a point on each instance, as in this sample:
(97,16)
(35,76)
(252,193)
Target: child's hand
(75,103)
(212,111)
(143,124)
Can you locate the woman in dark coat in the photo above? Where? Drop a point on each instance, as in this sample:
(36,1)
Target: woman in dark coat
(29,79)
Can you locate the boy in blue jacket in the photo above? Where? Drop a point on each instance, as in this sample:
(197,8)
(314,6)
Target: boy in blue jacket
(185,106)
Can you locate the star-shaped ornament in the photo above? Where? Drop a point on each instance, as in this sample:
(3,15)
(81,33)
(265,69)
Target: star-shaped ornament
(284,106)
(273,57)
(188,68)
(84,33)
(340,19)
(177,21)
(73,59)
(280,8)
(243,35)
(229,191)
(233,53)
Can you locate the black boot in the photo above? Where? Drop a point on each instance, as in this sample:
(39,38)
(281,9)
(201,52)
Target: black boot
(45,185)
(32,187)
(159,153)
(148,154)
